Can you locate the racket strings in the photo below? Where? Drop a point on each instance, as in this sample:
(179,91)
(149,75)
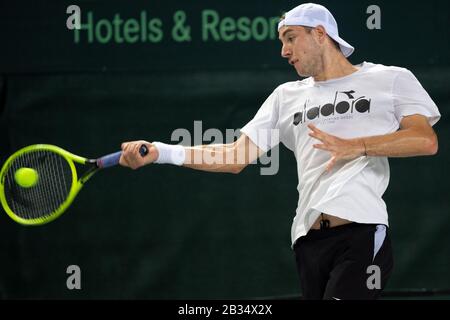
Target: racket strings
(49,193)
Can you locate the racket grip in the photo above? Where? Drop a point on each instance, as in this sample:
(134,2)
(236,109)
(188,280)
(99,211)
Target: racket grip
(143,150)
(109,160)
(112,159)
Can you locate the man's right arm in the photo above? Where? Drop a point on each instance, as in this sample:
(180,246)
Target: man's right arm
(231,158)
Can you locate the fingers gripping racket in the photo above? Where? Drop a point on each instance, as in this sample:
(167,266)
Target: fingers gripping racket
(39,182)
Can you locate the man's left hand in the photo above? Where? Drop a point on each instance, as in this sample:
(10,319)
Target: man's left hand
(340,149)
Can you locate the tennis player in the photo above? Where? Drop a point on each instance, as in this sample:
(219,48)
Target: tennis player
(342,122)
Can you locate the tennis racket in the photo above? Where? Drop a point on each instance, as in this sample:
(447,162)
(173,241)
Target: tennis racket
(55,182)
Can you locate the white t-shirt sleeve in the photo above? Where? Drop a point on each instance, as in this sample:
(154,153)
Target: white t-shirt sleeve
(263,128)
(411,98)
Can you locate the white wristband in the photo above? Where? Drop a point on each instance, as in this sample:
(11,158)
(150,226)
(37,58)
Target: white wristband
(169,153)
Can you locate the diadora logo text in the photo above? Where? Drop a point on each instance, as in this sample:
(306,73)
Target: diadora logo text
(348,104)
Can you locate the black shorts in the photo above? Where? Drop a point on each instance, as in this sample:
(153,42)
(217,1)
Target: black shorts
(352,261)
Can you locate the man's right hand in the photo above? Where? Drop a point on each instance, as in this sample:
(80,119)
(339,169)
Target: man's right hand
(132,158)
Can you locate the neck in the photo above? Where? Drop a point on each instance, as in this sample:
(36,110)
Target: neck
(334,65)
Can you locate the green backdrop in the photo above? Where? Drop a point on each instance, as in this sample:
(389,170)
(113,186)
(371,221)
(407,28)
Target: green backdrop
(165,232)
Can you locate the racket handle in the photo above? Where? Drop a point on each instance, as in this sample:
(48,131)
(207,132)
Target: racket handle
(109,160)
(112,159)
(143,150)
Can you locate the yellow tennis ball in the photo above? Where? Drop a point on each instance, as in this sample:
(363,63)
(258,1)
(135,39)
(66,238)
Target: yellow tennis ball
(26,177)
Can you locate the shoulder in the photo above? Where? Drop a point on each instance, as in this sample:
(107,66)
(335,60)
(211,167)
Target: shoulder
(294,86)
(381,69)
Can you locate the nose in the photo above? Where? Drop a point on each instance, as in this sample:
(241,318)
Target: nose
(285,51)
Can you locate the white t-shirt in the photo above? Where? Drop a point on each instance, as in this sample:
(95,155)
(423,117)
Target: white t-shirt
(368,102)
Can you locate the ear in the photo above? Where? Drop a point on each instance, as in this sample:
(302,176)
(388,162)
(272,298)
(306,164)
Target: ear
(321,33)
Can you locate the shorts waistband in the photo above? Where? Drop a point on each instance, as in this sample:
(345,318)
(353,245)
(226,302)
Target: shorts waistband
(314,234)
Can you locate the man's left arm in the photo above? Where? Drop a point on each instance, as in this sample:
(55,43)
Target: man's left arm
(415,138)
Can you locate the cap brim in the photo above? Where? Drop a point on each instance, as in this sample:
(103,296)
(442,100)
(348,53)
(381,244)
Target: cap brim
(346,48)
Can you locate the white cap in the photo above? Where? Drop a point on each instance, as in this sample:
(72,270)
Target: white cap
(312,15)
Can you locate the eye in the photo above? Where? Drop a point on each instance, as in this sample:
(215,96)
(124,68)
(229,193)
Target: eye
(290,38)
